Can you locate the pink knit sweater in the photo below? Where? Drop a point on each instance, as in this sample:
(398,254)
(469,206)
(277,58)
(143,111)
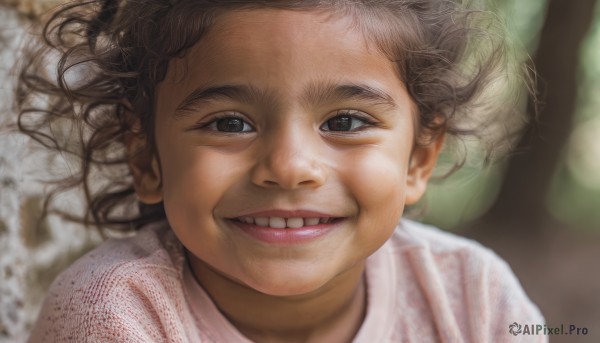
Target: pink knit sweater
(424,285)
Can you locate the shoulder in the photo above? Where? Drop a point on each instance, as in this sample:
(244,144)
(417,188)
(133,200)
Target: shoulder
(446,249)
(124,260)
(471,284)
(414,234)
(455,258)
(116,289)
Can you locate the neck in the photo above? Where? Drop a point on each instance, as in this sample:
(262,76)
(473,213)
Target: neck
(333,313)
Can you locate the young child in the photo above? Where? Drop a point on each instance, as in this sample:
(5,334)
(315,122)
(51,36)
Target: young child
(272,146)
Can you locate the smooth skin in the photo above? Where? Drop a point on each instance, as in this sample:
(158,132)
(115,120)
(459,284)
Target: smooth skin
(255,118)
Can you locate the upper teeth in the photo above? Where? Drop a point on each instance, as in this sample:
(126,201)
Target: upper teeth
(281,223)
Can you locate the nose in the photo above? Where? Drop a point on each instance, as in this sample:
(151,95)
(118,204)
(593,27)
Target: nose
(290,159)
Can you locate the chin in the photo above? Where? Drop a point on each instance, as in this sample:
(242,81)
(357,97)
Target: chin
(282,286)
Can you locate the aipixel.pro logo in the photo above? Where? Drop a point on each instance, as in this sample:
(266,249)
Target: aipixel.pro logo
(516,329)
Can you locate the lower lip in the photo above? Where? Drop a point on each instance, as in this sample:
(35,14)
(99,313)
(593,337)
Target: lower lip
(287,236)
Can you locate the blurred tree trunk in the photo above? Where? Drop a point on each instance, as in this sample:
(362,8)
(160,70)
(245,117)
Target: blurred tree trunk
(521,205)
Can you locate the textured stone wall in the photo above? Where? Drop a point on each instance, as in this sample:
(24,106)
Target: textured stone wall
(31,8)
(32,250)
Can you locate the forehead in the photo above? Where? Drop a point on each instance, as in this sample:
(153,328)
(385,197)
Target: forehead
(282,52)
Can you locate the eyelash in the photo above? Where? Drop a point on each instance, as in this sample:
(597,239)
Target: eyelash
(225,115)
(353,114)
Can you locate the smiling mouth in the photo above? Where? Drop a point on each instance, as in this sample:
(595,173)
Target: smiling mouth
(286,223)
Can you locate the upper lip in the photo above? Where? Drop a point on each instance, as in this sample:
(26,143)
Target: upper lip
(287,214)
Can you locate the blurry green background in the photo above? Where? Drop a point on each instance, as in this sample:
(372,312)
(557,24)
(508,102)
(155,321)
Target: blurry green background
(539,207)
(573,196)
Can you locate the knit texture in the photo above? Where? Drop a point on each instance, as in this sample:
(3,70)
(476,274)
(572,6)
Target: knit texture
(423,285)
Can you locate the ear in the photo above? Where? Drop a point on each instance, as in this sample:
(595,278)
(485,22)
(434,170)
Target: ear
(144,167)
(422,163)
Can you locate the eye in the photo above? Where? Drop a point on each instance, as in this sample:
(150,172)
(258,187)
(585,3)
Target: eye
(230,124)
(346,121)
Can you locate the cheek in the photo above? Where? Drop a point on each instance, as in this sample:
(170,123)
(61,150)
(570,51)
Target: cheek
(194,180)
(377,182)
(376,176)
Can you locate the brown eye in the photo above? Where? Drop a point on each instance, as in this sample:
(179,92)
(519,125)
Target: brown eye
(343,123)
(230,125)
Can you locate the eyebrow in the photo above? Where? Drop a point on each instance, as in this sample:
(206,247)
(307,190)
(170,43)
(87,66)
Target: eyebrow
(323,93)
(315,93)
(206,94)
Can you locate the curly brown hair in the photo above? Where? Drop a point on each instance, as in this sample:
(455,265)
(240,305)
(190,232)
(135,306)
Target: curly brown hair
(111,54)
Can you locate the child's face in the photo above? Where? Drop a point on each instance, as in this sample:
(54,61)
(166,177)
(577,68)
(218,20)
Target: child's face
(280,114)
